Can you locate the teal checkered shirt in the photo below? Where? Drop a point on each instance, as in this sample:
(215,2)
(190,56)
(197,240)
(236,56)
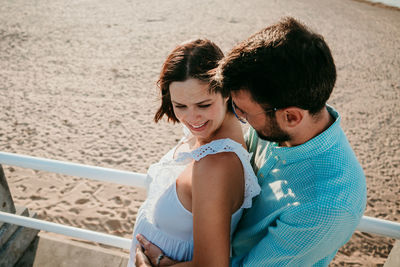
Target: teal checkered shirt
(313,196)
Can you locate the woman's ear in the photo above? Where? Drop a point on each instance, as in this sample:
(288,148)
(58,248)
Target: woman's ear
(292,116)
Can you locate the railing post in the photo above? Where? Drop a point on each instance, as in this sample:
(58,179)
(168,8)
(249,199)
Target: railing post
(15,241)
(6,201)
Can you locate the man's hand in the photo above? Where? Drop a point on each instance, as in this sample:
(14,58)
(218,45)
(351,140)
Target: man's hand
(151,253)
(141,260)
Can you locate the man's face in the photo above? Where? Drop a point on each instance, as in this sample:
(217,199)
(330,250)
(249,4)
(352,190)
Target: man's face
(266,126)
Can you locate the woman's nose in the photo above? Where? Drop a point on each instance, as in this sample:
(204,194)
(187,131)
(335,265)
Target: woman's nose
(192,114)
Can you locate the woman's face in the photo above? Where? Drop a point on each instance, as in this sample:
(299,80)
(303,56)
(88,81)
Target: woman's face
(201,112)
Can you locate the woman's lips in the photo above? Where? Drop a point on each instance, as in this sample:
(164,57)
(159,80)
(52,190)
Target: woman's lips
(198,127)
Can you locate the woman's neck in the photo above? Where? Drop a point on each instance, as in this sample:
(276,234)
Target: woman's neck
(229,128)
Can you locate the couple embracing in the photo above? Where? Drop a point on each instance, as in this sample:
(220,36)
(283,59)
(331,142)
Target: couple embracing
(288,193)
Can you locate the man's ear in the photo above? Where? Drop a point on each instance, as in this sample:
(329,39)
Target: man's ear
(292,116)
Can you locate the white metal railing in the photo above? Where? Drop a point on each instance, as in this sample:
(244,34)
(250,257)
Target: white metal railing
(74,169)
(88,235)
(367,224)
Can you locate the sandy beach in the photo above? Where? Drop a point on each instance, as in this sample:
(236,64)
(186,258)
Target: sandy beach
(78,83)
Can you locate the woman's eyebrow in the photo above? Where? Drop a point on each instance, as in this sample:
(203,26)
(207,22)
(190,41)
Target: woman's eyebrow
(204,101)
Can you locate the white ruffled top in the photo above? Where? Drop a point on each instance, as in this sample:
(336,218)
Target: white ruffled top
(163,220)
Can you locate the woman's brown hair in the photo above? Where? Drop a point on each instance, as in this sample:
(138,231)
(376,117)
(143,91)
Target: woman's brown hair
(193,59)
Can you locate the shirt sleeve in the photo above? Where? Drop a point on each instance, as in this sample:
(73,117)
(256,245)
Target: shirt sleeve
(303,238)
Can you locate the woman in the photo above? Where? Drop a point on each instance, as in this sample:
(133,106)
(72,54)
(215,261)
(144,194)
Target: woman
(197,193)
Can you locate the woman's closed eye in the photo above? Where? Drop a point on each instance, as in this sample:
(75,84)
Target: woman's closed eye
(204,106)
(180,106)
(200,106)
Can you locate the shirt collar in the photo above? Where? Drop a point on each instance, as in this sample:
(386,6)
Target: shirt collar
(314,146)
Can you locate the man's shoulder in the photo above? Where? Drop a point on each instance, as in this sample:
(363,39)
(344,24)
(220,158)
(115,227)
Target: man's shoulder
(338,158)
(339,180)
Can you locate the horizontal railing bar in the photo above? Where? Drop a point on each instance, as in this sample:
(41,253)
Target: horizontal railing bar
(367,224)
(74,169)
(379,227)
(83,234)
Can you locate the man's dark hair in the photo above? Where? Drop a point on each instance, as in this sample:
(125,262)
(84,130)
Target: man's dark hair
(283,65)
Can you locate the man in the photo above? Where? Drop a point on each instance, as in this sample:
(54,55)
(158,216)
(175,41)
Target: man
(313,188)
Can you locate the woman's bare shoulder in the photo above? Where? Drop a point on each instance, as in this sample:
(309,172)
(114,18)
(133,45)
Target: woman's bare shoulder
(219,177)
(225,165)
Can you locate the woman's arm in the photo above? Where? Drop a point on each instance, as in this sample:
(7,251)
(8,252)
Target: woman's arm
(217,192)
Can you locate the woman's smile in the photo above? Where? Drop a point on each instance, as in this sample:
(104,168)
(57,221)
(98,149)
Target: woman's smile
(198,127)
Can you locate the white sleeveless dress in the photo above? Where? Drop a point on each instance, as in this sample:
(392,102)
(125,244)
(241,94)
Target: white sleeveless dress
(163,220)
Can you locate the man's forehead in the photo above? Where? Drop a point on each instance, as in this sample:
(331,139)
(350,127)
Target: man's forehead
(243,97)
(245,102)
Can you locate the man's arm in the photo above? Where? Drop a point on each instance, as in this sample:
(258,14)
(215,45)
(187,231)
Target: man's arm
(302,238)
